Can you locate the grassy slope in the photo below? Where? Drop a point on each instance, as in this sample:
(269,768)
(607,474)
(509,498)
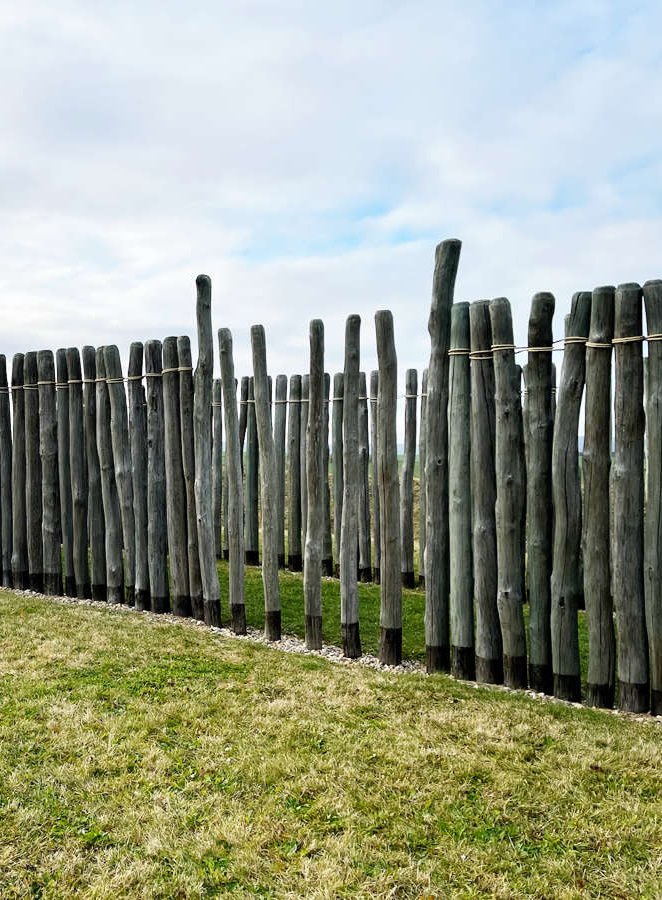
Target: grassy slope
(143,759)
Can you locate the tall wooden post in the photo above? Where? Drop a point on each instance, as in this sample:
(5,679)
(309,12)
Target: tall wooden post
(6,518)
(217,466)
(138,450)
(303,452)
(19,560)
(64,470)
(49,474)
(295,560)
(459,488)
(76,453)
(251,520)
(312,570)
(596,462)
(437,646)
(540,517)
(376,512)
(96,519)
(33,474)
(327,540)
(280,427)
(337,456)
(407,480)
(235,492)
(349,531)
(111,503)
(243,415)
(422,514)
(188,468)
(365,562)
(157,536)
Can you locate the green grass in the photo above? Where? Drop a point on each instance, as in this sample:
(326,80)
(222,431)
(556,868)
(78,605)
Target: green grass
(144,759)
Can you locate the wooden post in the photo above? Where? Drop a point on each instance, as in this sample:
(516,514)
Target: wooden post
(280,424)
(272,613)
(157,538)
(217,466)
(422,454)
(627,498)
(243,415)
(437,646)
(19,560)
(188,468)
(510,495)
(175,484)
(376,513)
(540,516)
(365,563)
(596,462)
(327,540)
(64,470)
(119,430)
(295,561)
(566,487)
(76,452)
(653,520)
(235,493)
(6,517)
(95,513)
(111,503)
(33,474)
(349,530)
(337,457)
(303,429)
(459,488)
(251,520)
(312,570)
(49,474)
(390,614)
(202,430)
(138,449)
(407,480)
(489,647)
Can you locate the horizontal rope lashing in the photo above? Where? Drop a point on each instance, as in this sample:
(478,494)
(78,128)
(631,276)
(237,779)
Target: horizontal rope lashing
(45,383)
(502,347)
(549,349)
(62,386)
(632,339)
(459,351)
(152,374)
(114,381)
(134,377)
(75,381)
(176,369)
(575,339)
(596,345)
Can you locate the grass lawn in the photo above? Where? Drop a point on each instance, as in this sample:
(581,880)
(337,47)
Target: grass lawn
(144,759)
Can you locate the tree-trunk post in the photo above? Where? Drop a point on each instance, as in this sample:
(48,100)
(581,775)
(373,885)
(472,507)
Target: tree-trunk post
(365,562)
(312,570)
(422,431)
(138,450)
(33,474)
(49,474)
(337,457)
(217,466)
(510,495)
(390,614)
(407,480)
(6,515)
(188,467)
(157,536)
(463,663)
(540,517)
(267,467)
(327,540)
(251,517)
(64,470)
(76,452)
(437,638)
(280,432)
(349,530)
(111,503)
(295,559)
(234,522)
(95,514)
(303,452)
(376,512)
(627,498)
(19,560)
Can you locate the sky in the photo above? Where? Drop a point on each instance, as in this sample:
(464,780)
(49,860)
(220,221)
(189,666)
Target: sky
(309,157)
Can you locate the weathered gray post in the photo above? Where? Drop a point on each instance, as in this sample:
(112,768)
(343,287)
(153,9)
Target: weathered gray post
(202,430)
(243,415)
(463,663)
(75,442)
(19,560)
(49,473)
(280,425)
(111,502)
(138,448)
(390,614)
(349,530)
(175,484)
(510,495)
(653,520)
(295,561)
(33,474)
(540,516)
(157,539)
(312,570)
(437,646)
(188,467)
(627,498)
(6,521)
(303,436)
(235,493)
(596,462)
(251,520)
(337,456)
(119,430)
(272,612)
(95,514)
(489,647)
(365,563)
(422,431)
(64,470)
(327,540)
(407,480)
(376,514)
(217,466)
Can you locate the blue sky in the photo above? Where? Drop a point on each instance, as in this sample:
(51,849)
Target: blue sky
(310,156)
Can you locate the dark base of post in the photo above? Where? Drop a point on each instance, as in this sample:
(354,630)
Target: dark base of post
(313,632)
(295,562)
(390,646)
(408,580)
(70,586)
(211,613)
(327,568)
(160,604)
(568,687)
(181,606)
(600,695)
(53,584)
(21,580)
(115,594)
(7,580)
(197,609)
(656,702)
(272,624)
(463,663)
(130,595)
(437,659)
(633,697)
(252,557)
(365,575)
(99,592)
(421,581)
(238,617)
(376,576)
(281,560)
(514,671)
(36,582)
(142,600)
(541,679)
(226,553)
(489,671)
(84,591)
(351,640)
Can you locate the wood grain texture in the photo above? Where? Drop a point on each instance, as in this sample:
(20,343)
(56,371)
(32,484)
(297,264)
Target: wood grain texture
(19,560)
(327,539)
(50,521)
(422,431)
(312,569)
(96,521)
(295,558)
(252,489)
(407,480)
(349,530)
(111,504)
(376,512)
(217,472)
(77,456)
(337,457)
(189,470)
(6,516)
(365,561)
(280,437)
(138,452)
(33,474)
(157,530)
